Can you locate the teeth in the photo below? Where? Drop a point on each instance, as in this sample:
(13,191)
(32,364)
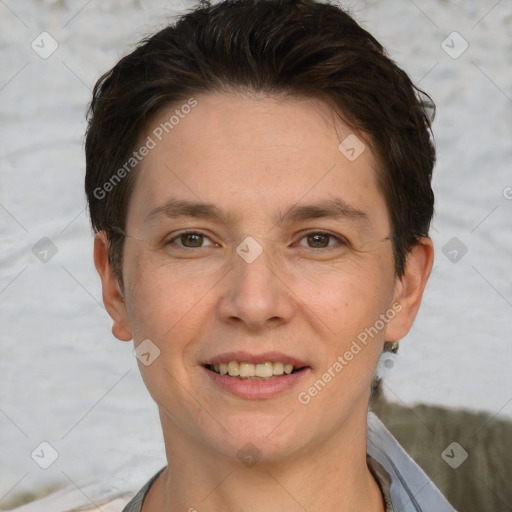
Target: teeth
(233,369)
(278,368)
(248,370)
(264,370)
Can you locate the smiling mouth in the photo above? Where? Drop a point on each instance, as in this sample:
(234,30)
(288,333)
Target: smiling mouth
(250,371)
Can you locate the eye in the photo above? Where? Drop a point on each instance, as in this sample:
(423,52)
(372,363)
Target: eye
(322,240)
(189,240)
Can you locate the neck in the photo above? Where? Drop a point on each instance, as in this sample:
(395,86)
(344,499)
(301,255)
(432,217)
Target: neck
(331,476)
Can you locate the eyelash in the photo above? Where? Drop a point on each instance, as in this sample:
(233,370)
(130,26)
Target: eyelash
(339,239)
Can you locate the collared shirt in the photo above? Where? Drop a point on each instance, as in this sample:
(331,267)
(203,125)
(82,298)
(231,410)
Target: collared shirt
(383,480)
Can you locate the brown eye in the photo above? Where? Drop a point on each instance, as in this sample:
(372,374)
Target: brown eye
(321,240)
(191,239)
(318,240)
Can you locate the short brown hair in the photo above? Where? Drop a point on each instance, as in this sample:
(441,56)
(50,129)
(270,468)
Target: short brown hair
(296,47)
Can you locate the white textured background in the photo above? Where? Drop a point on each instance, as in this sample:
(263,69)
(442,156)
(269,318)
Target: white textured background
(64,379)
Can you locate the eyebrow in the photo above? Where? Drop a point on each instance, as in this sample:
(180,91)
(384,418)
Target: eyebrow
(184,208)
(333,208)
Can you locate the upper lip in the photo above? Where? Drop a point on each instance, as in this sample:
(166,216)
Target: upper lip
(247,357)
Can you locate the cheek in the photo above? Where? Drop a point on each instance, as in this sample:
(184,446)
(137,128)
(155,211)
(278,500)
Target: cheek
(352,308)
(346,298)
(150,296)
(162,299)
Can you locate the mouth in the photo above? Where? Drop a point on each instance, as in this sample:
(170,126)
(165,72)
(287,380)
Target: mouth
(256,376)
(267,370)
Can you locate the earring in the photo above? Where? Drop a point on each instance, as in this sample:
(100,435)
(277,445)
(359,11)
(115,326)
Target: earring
(391,346)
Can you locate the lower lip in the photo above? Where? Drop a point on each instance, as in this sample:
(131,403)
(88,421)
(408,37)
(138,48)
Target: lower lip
(257,389)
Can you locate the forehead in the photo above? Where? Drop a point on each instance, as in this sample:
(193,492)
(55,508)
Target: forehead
(253,154)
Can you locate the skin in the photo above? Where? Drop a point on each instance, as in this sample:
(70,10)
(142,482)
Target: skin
(254,157)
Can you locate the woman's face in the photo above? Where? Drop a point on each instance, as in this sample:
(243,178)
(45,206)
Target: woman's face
(258,245)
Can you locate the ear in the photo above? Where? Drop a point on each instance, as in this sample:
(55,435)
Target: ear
(112,294)
(409,288)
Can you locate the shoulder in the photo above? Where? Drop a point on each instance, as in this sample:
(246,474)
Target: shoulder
(93,497)
(411,490)
(117,505)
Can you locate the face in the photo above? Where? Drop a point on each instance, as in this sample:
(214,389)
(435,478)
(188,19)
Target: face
(256,247)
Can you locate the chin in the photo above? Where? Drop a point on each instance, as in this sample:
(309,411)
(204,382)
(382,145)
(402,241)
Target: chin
(261,437)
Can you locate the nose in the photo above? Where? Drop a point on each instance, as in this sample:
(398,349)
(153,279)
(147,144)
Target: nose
(255,294)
